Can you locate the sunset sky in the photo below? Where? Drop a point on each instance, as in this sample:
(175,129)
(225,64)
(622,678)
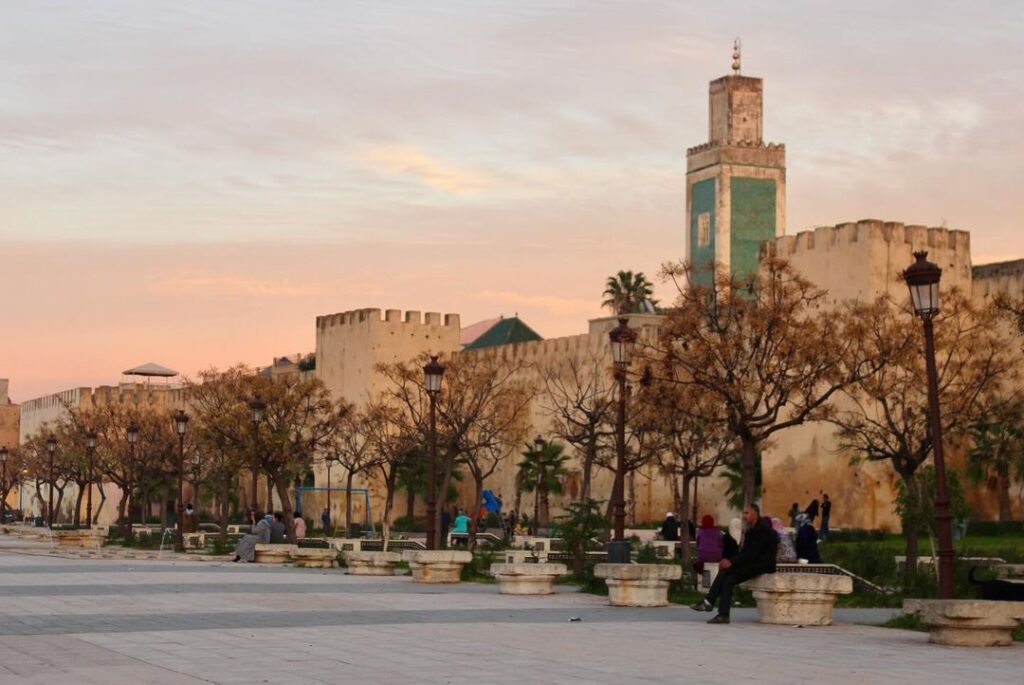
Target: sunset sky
(192,183)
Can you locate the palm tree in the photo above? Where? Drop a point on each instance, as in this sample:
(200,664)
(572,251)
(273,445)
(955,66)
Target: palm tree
(629,293)
(541,472)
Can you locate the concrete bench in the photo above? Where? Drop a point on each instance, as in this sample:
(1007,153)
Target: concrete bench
(267,553)
(527,579)
(371,563)
(436,566)
(797,599)
(194,540)
(314,557)
(346,544)
(524,556)
(1010,571)
(968,622)
(638,585)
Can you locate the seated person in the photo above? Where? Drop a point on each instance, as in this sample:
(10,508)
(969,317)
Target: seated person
(731,540)
(710,545)
(756,557)
(461,526)
(807,540)
(670,528)
(246,549)
(278,530)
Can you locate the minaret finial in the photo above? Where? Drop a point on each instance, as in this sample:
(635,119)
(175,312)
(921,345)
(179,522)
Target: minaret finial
(736,57)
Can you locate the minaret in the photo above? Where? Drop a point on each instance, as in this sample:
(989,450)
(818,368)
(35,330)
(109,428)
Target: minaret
(735,183)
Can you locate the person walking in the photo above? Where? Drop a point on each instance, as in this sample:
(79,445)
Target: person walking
(756,557)
(826,513)
(325,519)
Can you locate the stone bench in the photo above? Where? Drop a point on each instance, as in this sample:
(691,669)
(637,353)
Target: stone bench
(86,538)
(527,579)
(797,599)
(314,557)
(436,566)
(638,585)
(371,563)
(968,622)
(268,553)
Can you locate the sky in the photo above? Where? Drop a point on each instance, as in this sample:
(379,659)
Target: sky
(192,183)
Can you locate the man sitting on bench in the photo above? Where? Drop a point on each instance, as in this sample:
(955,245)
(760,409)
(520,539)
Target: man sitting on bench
(756,556)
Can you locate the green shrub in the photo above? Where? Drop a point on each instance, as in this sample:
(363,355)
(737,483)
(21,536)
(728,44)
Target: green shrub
(409,524)
(995,528)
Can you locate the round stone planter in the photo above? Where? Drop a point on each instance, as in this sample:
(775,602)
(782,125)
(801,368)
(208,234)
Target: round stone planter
(968,622)
(274,554)
(638,585)
(797,599)
(371,563)
(436,566)
(311,557)
(527,579)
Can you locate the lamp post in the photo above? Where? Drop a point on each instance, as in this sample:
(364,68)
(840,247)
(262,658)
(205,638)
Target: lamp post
(623,339)
(51,448)
(538,448)
(257,410)
(3,484)
(90,444)
(922,278)
(132,433)
(180,426)
(432,373)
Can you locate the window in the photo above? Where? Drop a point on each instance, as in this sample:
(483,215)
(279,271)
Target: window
(704,228)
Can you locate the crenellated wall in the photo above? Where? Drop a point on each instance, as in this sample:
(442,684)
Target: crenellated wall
(350,344)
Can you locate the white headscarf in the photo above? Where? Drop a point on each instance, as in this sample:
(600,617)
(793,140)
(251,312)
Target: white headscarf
(736,530)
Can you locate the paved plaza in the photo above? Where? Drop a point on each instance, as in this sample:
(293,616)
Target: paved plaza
(68,620)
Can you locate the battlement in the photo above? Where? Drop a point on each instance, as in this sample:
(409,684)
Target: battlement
(539,350)
(868,230)
(1011,269)
(372,316)
(748,144)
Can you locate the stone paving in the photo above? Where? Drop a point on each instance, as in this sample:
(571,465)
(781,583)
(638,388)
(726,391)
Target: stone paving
(68,620)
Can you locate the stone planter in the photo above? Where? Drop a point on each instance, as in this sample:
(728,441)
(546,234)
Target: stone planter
(527,579)
(638,585)
(797,599)
(313,557)
(372,563)
(274,554)
(436,566)
(968,622)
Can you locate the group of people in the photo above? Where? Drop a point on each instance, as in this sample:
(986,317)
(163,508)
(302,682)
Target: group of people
(752,546)
(811,512)
(267,528)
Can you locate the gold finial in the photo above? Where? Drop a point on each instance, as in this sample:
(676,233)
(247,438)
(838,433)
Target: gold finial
(736,56)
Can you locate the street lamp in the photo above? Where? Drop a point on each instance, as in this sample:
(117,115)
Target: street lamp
(180,426)
(623,340)
(538,448)
(923,278)
(90,444)
(3,485)
(432,373)
(257,410)
(133,437)
(51,448)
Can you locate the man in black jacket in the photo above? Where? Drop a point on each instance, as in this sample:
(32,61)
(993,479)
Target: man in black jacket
(756,556)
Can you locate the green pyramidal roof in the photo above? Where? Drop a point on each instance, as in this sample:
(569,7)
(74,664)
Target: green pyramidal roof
(505,332)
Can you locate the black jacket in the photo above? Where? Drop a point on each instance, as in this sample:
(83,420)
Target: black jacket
(670,528)
(760,545)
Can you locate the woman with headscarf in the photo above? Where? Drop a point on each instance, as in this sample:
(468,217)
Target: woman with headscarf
(246,549)
(786,553)
(806,540)
(812,510)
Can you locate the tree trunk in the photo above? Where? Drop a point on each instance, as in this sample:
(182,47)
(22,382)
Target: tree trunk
(676,496)
(749,470)
(348,501)
(57,504)
(122,512)
(225,496)
(588,469)
(286,506)
(910,570)
(478,502)
(1003,485)
(684,528)
(448,463)
(544,510)
(164,522)
(99,507)
(390,480)
(77,519)
(271,482)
